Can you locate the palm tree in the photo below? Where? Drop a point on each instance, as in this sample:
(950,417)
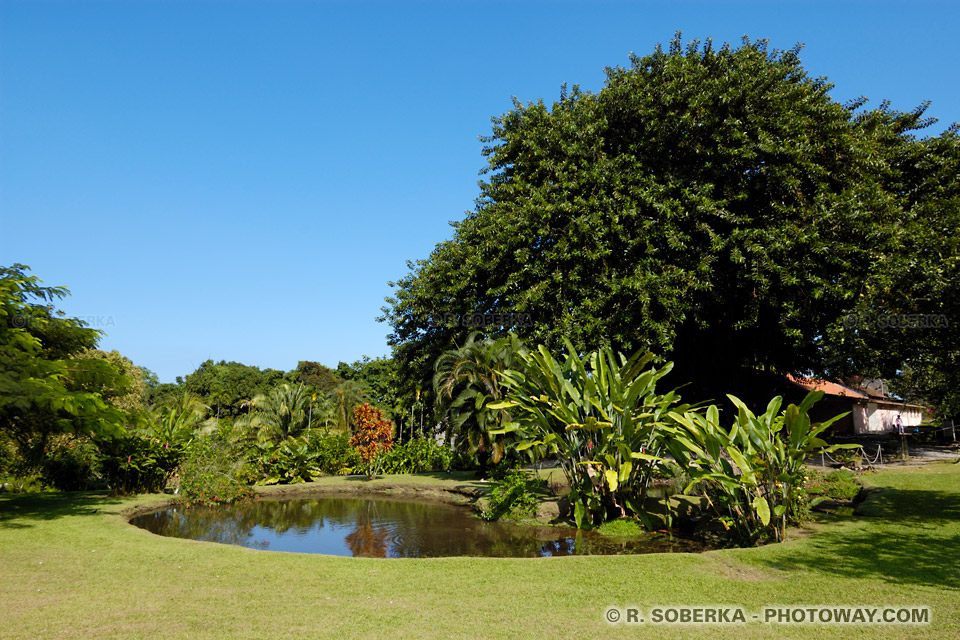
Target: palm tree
(467,381)
(282,412)
(322,412)
(347,395)
(186,403)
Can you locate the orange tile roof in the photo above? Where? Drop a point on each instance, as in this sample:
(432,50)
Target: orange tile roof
(830,388)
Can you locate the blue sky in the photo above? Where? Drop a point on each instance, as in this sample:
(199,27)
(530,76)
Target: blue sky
(239,180)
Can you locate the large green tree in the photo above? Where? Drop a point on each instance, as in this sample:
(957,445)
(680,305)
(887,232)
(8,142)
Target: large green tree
(715,205)
(228,386)
(907,322)
(51,380)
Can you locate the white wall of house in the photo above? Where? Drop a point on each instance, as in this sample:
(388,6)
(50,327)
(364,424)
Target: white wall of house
(881,417)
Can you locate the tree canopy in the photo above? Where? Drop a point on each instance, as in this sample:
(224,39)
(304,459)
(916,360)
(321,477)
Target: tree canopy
(715,205)
(51,379)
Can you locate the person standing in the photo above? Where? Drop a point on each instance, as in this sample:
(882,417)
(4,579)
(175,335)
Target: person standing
(899,424)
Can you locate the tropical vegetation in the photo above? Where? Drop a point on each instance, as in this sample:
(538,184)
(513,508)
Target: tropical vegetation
(715,205)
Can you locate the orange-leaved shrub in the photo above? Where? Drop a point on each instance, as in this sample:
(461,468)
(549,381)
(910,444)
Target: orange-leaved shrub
(373,436)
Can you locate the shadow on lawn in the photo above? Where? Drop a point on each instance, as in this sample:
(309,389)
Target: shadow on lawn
(17,511)
(907,537)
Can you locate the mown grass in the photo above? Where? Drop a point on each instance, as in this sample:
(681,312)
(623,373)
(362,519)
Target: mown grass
(72,567)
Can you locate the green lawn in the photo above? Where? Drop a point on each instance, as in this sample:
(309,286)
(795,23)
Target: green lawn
(71,567)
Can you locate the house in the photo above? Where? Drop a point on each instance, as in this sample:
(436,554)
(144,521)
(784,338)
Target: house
(871,410)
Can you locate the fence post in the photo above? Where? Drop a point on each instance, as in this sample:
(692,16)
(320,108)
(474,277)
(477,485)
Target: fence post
(880,454)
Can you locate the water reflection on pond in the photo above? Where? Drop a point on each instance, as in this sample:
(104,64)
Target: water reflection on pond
(384,528)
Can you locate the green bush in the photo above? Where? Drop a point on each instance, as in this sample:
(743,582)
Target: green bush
(622,528)
(836,485)
(511,497)
(23,484)
(135,463)
(304,458)
(335,456)
(417,456)
(214,472)
(69,464)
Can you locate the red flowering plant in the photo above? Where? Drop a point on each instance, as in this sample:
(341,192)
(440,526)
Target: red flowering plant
(373,436)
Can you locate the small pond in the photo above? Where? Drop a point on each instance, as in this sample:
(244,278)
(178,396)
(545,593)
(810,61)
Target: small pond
(379,527)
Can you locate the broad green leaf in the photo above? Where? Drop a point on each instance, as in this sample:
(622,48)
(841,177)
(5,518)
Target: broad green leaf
(763,509)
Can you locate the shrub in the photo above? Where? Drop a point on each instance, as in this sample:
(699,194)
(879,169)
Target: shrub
(214,472)
(335,456)
(135,463)
(69,464)
(601,416)
(837,485)
(372,438)
(304,458)
(753,473)
(511,497)
(622,528)
(417,456)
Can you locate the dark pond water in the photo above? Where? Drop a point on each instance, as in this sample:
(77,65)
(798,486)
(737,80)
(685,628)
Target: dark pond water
(384,528)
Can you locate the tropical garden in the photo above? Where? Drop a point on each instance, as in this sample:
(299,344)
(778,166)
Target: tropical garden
(647,256)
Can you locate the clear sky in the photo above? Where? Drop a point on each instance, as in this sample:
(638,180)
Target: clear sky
(239,180)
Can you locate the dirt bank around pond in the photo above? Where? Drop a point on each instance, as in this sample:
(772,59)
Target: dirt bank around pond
(435,488)
(457,488)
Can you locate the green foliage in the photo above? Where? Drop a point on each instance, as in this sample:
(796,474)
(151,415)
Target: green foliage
(47,385)
(136,463)
(227,386)
(70,463)
(511,497)
(348,395)
(304,458)
(713,204)
(130,396)
(417,456)
(335,456)
(841,484)
(383,388)
(24,484)
(314,374)
(214,472)
(622,528)
(293,460)
(467,384)
(286,411)
(753,473)
(603,419)
(904,326)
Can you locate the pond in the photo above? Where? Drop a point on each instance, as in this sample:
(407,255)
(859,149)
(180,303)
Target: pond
(379,527)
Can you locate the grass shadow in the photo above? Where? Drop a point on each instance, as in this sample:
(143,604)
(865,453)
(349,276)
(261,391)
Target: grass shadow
(904,536)
(17,510)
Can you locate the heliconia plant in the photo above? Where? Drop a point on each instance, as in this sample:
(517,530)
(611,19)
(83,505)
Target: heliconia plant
(751,473)
(603,419)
